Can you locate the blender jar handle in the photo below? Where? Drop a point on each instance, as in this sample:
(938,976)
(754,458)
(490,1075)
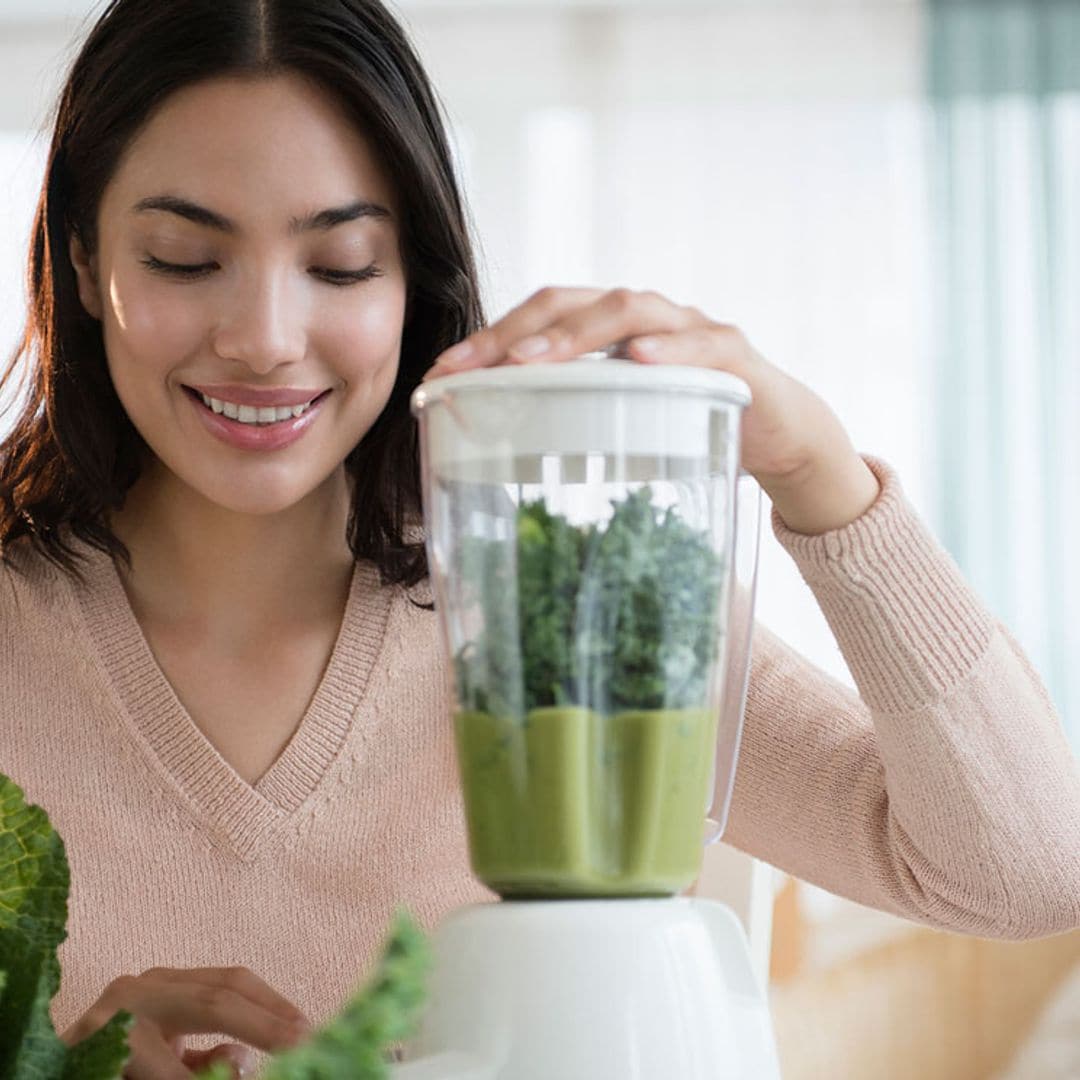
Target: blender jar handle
(737,651)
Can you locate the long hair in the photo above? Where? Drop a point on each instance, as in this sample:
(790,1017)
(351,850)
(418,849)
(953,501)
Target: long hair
(73,454)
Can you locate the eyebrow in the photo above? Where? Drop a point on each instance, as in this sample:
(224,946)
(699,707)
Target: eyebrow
(320,220)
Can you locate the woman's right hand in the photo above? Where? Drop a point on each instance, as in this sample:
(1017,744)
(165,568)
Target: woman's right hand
(170,1003)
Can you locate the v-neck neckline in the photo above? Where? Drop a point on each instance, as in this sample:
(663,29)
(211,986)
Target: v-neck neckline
(240,813)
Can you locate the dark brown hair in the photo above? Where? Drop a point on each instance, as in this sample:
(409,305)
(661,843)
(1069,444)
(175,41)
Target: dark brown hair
(73,454)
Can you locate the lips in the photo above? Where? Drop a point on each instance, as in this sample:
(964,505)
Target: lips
(258,436)
(258,396)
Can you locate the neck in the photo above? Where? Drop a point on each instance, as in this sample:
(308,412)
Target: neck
(197,563)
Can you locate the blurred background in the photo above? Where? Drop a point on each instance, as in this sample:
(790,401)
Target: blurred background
(885,196)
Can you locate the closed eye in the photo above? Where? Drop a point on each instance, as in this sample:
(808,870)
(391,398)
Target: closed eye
(193,272)
(181,270)
(347,277)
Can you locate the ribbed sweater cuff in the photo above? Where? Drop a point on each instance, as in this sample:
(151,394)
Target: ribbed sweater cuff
(907,623)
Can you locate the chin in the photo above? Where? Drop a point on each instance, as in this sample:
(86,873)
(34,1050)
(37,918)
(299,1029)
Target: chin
(256,500)
(260,504)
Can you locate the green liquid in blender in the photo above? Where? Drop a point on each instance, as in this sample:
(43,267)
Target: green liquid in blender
(585,741)
(570,803)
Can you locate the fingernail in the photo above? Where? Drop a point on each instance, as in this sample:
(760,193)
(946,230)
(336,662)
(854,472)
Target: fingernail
(245,1062)
(531,346)
(647,346)
(461,352)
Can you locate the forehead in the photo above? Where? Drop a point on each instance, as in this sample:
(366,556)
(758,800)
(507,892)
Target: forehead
(252,146)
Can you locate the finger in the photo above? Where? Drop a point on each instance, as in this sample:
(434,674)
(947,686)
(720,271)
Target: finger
(180,1003)
(241,1059)
(119,994)
(241,979)
(152,1057)
(488,346)
(617,316)
(713,345)
(191,1008)
(198,1008)
(600,321)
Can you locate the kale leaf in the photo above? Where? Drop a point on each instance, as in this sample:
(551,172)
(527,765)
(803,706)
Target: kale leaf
(354,1044)
(617,617)
(33,918)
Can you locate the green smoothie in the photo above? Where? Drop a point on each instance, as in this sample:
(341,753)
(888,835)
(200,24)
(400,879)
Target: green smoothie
(584,734)
(572,803)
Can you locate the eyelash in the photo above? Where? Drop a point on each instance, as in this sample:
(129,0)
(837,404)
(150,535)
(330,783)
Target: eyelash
(338,278)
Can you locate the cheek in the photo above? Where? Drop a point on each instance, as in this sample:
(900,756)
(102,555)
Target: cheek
(367,336)
(147,325)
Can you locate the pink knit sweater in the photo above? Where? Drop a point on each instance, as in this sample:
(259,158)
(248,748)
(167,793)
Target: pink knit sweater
(944,791)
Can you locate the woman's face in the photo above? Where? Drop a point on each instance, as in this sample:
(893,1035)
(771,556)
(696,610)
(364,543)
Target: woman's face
(251,292)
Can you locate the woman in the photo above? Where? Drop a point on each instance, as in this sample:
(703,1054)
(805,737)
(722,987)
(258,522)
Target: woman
(249,250)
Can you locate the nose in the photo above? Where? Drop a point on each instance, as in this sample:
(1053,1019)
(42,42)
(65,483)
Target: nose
(262,324)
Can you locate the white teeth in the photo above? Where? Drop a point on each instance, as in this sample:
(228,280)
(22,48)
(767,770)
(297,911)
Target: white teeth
(251,414)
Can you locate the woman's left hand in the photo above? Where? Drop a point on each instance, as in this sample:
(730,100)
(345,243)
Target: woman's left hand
(792,442)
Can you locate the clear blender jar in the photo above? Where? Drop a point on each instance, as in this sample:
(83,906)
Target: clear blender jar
(582,540)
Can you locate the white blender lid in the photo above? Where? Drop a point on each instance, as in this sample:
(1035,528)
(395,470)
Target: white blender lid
(644,420)
(592,371)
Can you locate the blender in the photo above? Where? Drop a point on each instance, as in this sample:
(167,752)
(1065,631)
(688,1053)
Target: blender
(594,586)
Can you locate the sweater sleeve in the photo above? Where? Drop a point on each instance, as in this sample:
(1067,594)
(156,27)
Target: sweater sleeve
(944,790)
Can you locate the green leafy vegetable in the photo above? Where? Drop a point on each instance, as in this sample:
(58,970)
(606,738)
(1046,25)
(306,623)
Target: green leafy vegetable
(354,1044)
(33,916)
(613,618)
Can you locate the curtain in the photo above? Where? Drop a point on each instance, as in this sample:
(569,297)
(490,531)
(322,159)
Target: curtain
(1005,273)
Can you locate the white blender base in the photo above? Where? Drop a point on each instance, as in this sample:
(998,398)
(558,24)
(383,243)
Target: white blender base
(647,989)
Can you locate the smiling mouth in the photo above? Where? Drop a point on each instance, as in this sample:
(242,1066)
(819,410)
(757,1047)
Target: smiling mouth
(255,416)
